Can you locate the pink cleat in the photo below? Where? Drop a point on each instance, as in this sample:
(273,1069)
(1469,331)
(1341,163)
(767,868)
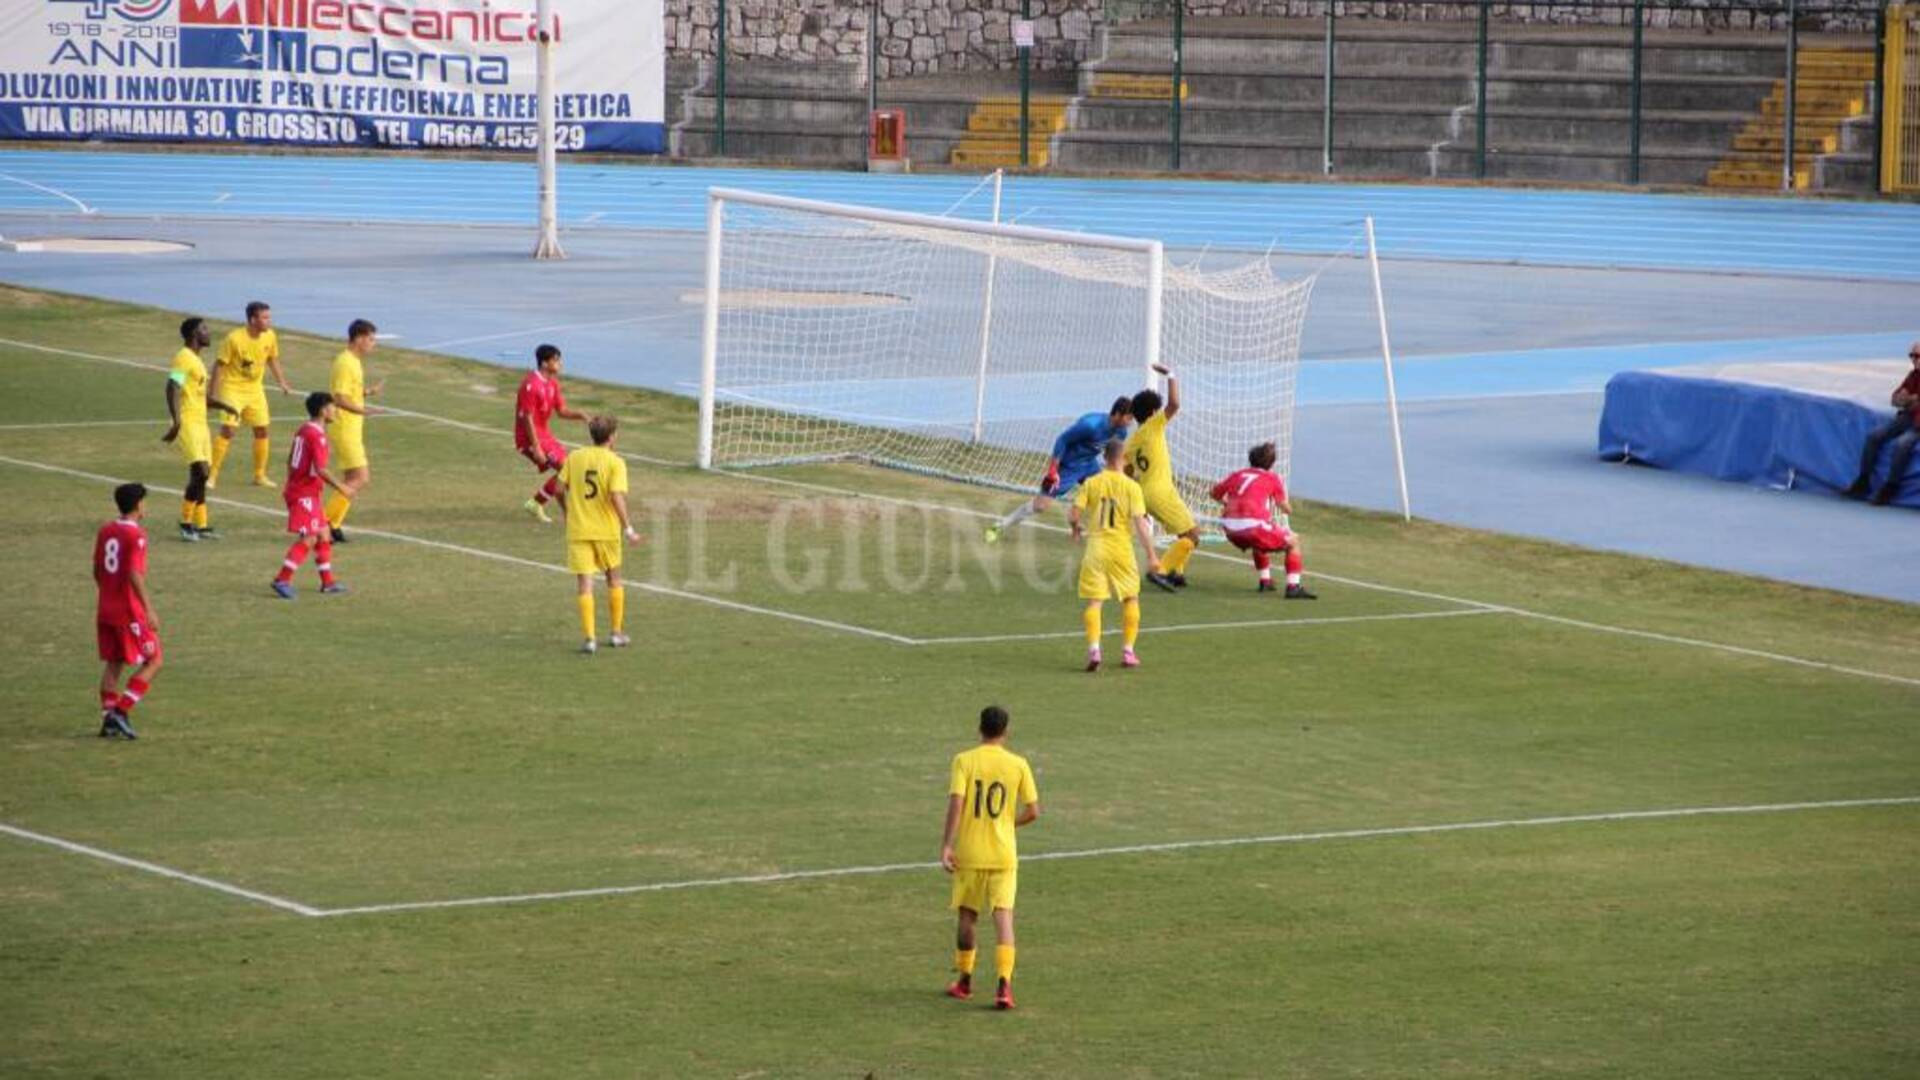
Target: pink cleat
(1127,659)
(1093,658)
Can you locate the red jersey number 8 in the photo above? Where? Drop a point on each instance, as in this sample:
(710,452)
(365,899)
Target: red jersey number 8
(110,556)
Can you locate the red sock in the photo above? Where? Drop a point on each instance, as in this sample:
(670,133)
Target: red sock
(1261,560)
(296,555)
(1293,561)
(109,698)
(136,689)
(323,551)
(551,489)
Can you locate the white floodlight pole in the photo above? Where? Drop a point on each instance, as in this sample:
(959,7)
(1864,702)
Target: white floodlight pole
(1386,355)
(710,329)
(548,246)
(986,321)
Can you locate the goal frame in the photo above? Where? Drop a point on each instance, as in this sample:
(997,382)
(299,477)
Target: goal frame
(718,197)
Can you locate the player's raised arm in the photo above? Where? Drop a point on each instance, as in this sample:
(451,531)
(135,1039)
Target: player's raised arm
(1173,391)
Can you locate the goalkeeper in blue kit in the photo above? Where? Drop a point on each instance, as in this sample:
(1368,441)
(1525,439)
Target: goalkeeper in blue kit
(1076,456)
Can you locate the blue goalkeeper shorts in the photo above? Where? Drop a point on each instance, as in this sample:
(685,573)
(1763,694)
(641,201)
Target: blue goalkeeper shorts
(1073,475)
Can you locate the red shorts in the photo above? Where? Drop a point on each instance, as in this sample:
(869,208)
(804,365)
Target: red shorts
(555,455)
(1261,538)
(130,642)
(306,516)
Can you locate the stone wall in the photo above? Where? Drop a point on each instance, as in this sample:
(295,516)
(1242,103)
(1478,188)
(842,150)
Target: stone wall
(927,37)
(917,37)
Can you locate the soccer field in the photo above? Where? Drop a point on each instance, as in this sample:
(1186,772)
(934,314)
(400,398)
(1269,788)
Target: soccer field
(1489,807)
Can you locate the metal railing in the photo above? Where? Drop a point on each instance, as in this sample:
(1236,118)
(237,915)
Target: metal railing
(1756,93)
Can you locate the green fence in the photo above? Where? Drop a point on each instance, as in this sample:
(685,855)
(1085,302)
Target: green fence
(1762,94)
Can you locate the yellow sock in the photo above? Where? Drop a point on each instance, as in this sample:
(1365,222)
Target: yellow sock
(1090,618)
(337,506)
(1130,621)
(586,615)
(221,444)
(260,452)
(617,607)
(199,515)
(1003,961)
(1176,558)
(186,512)
(963,960)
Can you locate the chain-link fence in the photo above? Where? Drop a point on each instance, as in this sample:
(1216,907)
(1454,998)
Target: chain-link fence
(1730,93)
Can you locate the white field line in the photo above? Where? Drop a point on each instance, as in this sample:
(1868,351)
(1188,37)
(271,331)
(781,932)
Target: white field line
(989,639)
(1128,849)
(495,556)
(158,423)
(1602,628)
(164,871)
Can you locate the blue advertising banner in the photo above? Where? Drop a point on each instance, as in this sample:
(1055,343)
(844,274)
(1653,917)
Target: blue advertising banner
(404,74)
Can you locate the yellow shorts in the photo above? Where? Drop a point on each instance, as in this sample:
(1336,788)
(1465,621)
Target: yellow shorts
(1106,575)
(194,442)
(250,400)
(348,449)
(985,891)
(1166,507)
(592,556)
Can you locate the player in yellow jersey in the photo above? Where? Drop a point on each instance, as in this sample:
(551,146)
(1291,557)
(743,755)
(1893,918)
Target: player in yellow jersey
(1149,463)
(246,355)
(990,793)
(187,403)
(350,393)
(592,490)
(1108,512)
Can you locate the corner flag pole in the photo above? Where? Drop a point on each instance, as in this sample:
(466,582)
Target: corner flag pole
(1386,355)
(548,246)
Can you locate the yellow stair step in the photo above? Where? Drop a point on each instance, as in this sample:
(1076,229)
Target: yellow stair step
(1760,179)
(1113,84)
(1802,144)
(1010,125)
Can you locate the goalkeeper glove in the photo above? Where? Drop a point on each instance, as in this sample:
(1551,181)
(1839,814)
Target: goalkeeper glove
(1051,482)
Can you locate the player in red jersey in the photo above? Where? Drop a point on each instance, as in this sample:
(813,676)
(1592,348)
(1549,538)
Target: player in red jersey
(307,479)
(1250,496)
(124,622)
(539,399)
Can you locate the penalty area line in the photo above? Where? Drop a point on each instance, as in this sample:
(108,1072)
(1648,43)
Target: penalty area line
(1128,849)
(781,481)
(495,556)
(989,639)
(257,897)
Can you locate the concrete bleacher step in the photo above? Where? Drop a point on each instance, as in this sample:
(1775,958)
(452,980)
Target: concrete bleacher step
(1831,87)
(1771,142)
(1755,177)
(1129,84)
(992,135)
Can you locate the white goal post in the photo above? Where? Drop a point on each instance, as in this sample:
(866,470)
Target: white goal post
(961,348)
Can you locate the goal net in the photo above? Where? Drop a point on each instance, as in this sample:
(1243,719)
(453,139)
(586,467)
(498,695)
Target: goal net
(961,348)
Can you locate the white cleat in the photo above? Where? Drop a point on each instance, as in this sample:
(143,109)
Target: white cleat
(993,534)
(539,512)
(619,641)
(589,647)
(261,481)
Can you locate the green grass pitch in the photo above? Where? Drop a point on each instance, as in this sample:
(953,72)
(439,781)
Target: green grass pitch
(433,737)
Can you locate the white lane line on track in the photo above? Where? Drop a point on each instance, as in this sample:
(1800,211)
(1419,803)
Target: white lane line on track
(532,330)
(1169,847)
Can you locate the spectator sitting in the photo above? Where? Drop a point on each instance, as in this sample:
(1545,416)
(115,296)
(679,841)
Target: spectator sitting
(1903,429)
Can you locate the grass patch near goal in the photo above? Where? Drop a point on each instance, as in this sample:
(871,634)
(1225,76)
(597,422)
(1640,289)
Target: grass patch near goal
(432,737)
